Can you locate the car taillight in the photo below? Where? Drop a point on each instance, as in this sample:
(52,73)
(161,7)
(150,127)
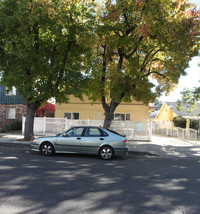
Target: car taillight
(125,140)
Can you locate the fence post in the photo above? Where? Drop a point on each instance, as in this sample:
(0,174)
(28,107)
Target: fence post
(196,135)
(44,125)
(23,124)
(183,133)
(66,123)
(150,129)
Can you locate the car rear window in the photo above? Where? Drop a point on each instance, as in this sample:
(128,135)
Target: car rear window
(116,132)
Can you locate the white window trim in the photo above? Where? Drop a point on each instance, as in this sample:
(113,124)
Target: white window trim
(11,113)
(124,117)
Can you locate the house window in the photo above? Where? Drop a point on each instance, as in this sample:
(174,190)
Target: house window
(128,117)
(71,115)
(13,92)
(10,113)
(122,117)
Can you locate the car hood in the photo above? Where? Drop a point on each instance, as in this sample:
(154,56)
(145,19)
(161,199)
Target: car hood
(47,138)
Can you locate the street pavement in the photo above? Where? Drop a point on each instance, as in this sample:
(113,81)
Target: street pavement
(166,147)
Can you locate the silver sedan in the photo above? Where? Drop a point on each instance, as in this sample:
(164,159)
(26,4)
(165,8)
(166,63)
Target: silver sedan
(83,140)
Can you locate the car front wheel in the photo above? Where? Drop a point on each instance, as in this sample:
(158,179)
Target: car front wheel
(106,153)
(47,149)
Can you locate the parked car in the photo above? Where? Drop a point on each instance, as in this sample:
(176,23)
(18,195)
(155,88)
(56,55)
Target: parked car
(83,140)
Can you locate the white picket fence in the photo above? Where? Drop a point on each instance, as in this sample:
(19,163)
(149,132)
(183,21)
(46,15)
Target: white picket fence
(52,126)
(168,129)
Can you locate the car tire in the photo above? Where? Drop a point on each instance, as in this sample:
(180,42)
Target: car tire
(47,149)
(106,153)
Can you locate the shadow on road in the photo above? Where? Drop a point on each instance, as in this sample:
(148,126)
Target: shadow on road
(31,183)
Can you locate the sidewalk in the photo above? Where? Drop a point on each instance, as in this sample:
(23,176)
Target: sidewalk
(167,147)
(161,146)
(13,140)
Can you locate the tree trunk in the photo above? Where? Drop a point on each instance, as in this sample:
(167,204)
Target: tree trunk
(108,119)
(29,124)
(109,112)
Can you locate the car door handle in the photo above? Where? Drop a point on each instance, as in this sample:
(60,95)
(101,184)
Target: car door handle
(101,139)
(78,138)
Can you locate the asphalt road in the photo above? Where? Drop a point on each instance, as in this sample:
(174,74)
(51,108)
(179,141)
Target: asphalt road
(140,184)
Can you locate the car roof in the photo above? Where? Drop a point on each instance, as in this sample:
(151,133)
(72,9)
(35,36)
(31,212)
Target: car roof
(86,127)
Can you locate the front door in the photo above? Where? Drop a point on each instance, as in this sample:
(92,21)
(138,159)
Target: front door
(70,141)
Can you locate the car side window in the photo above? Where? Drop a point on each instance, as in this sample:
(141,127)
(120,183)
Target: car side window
(75,132)
(93,132)
(103,133)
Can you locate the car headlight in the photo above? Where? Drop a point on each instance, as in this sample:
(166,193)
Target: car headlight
(35,141)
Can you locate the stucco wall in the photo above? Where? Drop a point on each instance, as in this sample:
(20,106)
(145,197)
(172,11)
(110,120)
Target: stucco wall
(86,110)
(165,114)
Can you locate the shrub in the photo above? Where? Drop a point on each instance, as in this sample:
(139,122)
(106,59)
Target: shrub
(194,124)
(179,122)
(16,125)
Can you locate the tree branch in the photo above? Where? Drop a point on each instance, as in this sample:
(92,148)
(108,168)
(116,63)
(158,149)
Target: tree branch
(155,72)
(133,51)
(147,59)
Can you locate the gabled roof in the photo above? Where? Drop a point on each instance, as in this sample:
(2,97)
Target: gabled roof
(173,107)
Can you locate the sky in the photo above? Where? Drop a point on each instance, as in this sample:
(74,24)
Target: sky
(191,80)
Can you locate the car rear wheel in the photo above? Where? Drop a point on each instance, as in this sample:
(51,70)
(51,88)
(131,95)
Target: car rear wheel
(47,149)
(106,153)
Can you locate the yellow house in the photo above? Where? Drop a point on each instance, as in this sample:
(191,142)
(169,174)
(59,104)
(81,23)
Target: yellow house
(166,113)
(169,110)
(84,110)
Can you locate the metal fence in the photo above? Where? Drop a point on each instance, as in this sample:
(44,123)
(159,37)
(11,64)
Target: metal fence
(168,129)
(52,126)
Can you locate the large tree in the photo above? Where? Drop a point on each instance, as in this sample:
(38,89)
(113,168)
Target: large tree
(137,41)
(43,45)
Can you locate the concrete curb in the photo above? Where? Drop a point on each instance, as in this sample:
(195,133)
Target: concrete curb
(25,145)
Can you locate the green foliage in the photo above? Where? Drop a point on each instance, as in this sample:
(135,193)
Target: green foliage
(194,124)
(43,49)
(43,46)
(56,48)
(179,122)
(190,98)
(138,41)
(16,125)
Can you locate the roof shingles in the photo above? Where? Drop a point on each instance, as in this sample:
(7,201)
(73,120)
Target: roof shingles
(173,106)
